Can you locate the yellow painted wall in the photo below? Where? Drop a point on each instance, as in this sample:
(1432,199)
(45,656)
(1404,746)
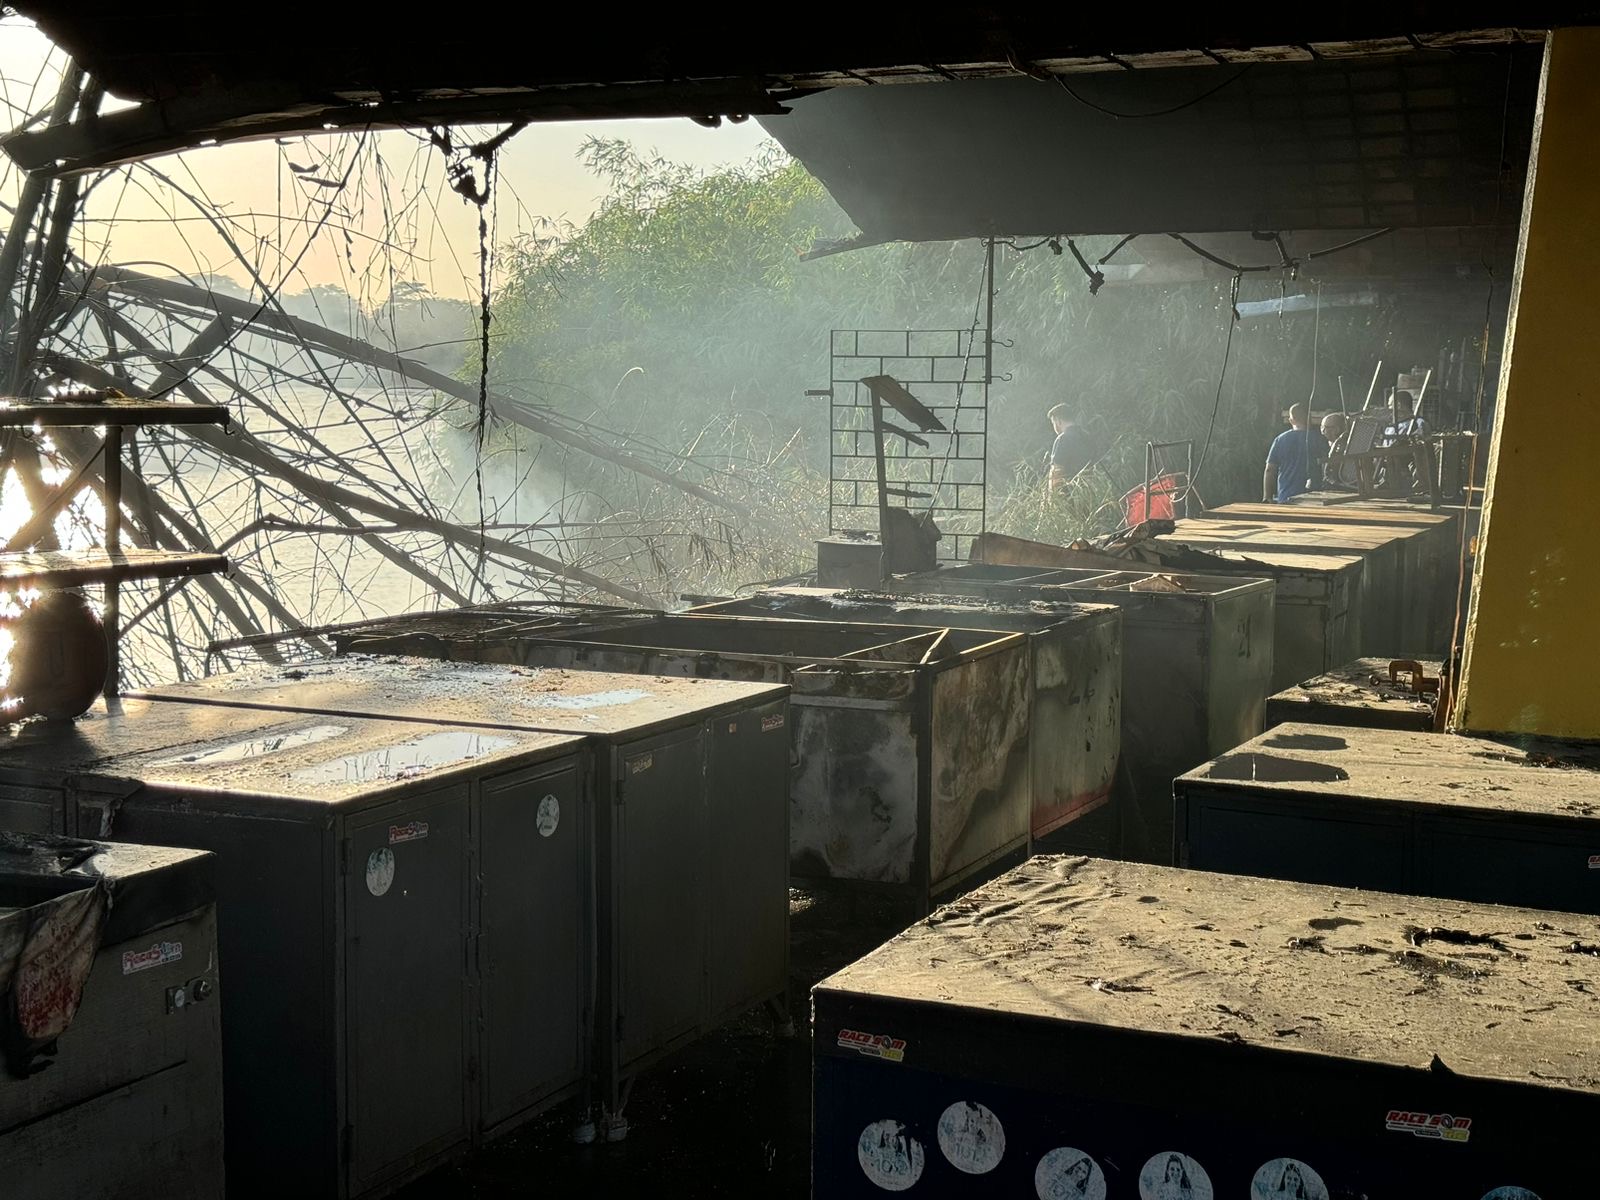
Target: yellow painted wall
(1532,656)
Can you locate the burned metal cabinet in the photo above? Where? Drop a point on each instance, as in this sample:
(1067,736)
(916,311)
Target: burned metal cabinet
(478,633)
(1473,819)
(657,743)
(1075,688)
(1196,656)
(918,779)
(1317,619)
(851,818)
(1086,1028)
(1433,559)
(1398,589)
(374,882)
(123,1096)
(1360,693)
(910,745)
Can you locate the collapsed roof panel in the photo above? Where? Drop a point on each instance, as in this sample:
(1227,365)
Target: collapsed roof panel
(204,73)
(1413,141)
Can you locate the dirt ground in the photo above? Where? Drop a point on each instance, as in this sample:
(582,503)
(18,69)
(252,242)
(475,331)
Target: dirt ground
(727,1116)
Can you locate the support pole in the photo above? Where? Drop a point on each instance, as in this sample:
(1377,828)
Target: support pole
(1532,639)
(111,498)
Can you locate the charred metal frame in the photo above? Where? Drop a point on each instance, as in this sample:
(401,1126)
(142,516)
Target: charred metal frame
(948,370)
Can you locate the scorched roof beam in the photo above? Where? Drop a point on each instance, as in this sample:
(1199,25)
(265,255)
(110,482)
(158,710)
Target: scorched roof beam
(254,113)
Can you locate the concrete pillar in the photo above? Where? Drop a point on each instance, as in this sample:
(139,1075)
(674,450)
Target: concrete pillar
(1532,655)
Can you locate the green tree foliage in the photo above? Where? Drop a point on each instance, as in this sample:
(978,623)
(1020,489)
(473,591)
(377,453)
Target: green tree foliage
(683,315)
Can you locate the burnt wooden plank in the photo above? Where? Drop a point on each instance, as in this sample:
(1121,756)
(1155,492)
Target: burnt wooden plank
(47,569)
(125,412)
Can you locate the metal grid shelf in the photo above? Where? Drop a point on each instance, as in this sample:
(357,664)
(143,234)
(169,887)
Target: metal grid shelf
(947,474)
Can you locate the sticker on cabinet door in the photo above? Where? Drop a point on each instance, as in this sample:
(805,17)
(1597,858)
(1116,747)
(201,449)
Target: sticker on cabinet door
(411,831)
(1287,1177)
(890,1156)
(380,871)
(971,1137)
(549,815)
(1067,1173)
(775,721)
(1429,1125)
(1172,1175)
(159,954)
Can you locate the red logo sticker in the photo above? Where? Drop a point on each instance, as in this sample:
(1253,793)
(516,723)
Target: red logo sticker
(873,1045)
(411,832)
(1429,1125)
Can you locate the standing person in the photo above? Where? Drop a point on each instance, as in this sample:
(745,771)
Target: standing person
(1334,426)
(1296,456)
(1403,421)
(1069,453)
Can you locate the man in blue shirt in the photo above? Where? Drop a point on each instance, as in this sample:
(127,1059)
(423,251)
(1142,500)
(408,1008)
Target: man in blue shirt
(1297,455)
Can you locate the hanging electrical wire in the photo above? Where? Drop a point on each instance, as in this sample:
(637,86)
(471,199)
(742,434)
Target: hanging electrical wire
(1216,406)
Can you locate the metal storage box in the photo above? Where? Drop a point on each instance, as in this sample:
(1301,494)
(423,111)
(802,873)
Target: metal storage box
(691,785)
(1196,658)
(405,906)
(1359,693)
(1432,814)
(479,627)
(121,1096)
(1075,688)
(1440,531)
(1316,599)
(975,798)
(1085,1028)
(850,561)
(1401,603)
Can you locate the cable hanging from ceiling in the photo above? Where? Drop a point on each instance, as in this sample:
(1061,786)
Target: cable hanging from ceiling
(1286,262)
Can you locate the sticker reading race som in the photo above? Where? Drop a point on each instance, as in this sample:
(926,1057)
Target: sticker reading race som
(1429,1125)
(411,831)
(873,1045)
(143,960)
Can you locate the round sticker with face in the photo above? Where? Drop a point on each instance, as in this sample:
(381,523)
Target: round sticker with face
(1287,1179)
(1511,1193)
(1069,1174)
(549,816)
(380,871)
(971,1137)
(890,1156)
(1174,1176)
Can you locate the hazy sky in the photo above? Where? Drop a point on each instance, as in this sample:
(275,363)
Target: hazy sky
(396,215)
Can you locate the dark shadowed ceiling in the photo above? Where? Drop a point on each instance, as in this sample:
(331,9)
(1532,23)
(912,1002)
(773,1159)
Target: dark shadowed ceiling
(1413,141)
(206,71)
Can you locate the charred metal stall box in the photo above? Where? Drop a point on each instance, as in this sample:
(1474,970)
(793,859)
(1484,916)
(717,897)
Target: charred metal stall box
(1316,599)
(1400,600)
(1431,814)
(912,766)
(1116,1031)
(1196,657)
(1433,554)
(475,630)
(691,787)
(405,921)
(110,999)
(1074,688)
(1316,607)
(1366,693)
